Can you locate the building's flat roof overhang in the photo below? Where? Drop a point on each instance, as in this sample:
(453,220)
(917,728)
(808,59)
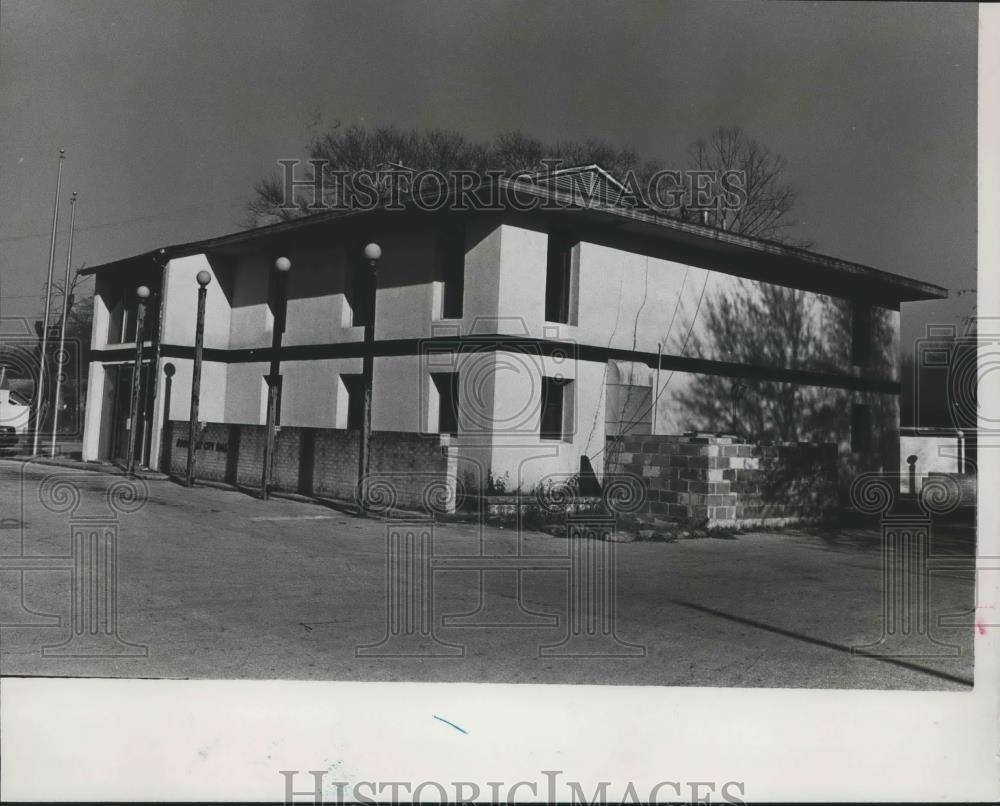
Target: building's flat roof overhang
(637,229)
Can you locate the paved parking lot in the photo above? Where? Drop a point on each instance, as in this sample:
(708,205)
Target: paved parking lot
(218,584)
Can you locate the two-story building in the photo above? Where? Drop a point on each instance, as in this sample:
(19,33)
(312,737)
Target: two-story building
(523,338)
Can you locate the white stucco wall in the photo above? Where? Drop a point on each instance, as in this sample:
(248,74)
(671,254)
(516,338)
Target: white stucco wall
(101,321)
(482,276)
(211,402)
(180,303)
(311,396)
(521,275)
(92,419)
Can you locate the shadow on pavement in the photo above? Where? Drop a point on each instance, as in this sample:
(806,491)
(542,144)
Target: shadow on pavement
(827,644)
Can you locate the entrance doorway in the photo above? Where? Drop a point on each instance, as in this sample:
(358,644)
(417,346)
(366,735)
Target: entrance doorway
(116,411)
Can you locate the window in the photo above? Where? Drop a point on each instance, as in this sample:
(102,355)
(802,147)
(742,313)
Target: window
(117,292)
(558,278)
(861,428)
(358,289)
(451,257)
(116,321)
(446,384)
(352,415)
(123,318)
(861,334)
(555,411)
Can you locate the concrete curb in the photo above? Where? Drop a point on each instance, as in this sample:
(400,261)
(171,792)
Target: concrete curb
(89,467)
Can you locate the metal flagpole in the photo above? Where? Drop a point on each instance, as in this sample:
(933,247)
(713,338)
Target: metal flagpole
(67,297)
(40,388)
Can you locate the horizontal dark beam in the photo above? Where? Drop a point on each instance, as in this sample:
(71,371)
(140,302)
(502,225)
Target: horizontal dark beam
(522,344)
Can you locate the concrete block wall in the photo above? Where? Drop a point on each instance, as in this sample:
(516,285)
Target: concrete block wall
(722,481)
(317,461)
(967,486)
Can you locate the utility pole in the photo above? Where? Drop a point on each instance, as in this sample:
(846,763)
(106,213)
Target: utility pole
(281,266)
(40,387)
(373,252)
(142,294)
(67,298)
(203,278)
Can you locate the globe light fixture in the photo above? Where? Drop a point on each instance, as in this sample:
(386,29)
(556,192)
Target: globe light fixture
(373,252)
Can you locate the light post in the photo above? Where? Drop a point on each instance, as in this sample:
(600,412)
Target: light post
(373,252)
(142,294)
(67,300)
(203,278)
(152,393)
(167,436)
(281,267)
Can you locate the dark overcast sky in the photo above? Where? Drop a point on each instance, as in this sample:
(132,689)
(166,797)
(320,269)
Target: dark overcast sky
(170,110)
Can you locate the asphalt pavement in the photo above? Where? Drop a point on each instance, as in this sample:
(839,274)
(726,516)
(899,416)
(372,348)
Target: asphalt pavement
(216,583)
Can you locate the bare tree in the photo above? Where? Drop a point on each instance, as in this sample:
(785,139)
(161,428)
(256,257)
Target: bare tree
(514,151)
(79,305)
(357,148)
(769,199)
(763,326)
(755,324)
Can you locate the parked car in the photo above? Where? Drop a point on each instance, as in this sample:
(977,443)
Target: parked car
(15,414)
(8,437)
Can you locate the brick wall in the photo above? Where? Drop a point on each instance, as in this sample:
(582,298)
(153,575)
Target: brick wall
(318,461)
(722,481)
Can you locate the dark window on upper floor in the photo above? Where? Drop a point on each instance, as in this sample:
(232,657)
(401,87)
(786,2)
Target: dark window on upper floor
(355,385)
(446,384)
(451,256)
(558,277)
(123,316)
